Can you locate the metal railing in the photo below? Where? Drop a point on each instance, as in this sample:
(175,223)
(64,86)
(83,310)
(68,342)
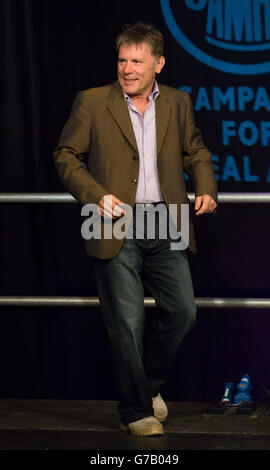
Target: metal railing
(46,198)
(44,301)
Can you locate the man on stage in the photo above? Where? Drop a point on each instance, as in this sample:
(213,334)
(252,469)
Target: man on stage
(130,142)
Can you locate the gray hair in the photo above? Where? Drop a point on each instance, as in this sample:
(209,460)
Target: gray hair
(139,33)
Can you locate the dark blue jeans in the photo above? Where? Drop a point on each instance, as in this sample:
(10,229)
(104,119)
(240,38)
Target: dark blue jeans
(142,357)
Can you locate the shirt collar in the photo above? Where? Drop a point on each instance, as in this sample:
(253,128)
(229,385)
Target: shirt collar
(153,95)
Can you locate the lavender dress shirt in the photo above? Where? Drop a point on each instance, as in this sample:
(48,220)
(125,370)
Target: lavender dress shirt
(145,133)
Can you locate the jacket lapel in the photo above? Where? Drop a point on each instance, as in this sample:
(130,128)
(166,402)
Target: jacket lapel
(119,111)
(163,109)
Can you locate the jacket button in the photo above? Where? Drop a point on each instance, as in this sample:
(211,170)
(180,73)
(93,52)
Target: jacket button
(135,157)
(134,181)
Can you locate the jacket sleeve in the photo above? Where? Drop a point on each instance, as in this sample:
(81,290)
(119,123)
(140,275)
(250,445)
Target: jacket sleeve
(69,155)
(197,158)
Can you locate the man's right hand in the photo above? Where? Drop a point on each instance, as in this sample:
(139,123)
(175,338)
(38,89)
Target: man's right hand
(109,207)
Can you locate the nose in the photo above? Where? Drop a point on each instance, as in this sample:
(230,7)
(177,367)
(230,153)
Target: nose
(127,67)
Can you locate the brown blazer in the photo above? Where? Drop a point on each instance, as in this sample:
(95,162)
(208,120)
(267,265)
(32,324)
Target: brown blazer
(97,153)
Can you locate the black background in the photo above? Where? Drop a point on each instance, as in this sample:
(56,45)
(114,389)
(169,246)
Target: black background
(51,50)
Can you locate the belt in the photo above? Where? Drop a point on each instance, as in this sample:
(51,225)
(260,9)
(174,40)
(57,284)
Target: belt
(148,204)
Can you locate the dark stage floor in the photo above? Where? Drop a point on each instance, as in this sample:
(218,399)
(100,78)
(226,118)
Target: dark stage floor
(93,425)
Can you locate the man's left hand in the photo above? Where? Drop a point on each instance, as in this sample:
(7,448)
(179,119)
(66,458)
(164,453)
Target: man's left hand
(205,204)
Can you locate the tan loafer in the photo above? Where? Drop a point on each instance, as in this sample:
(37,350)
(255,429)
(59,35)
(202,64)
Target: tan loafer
(149,426)
(160,408)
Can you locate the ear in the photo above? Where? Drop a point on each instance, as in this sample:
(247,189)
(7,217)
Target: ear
(160,64)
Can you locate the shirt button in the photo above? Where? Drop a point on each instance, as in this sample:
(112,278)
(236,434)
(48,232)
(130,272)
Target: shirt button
(135,157)
(134,181)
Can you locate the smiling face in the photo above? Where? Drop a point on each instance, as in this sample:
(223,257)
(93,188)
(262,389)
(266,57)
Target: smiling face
(137,69)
